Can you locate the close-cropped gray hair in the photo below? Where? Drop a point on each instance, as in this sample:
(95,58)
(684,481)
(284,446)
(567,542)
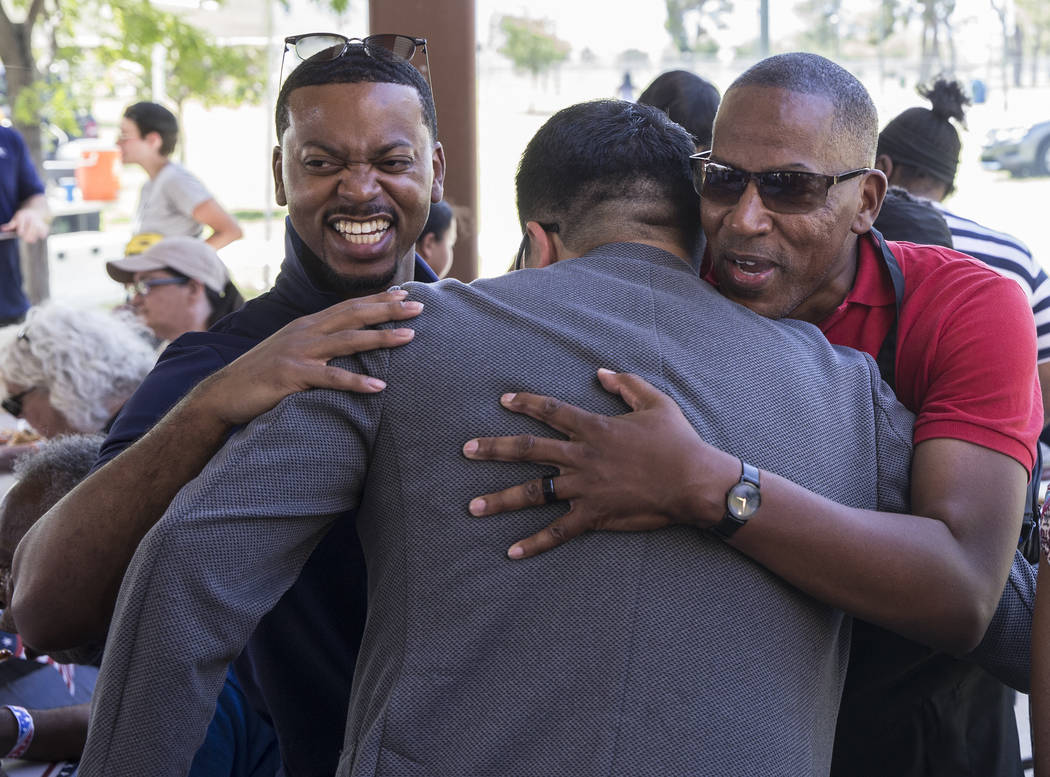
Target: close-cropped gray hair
(806,73)
(59,464)
(89,361)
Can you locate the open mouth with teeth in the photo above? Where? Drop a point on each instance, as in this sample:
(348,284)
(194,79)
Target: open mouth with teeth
(362,232)
(750,273)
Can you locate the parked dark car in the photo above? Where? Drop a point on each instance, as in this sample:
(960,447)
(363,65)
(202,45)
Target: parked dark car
(1021,150)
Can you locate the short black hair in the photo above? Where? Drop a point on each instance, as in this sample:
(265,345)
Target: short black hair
(605,157)
(806,73)
(357,65)
(688,99)
(438,221)
(923,142)
(153,117)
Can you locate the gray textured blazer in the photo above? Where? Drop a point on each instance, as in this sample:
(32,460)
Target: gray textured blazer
(660,653)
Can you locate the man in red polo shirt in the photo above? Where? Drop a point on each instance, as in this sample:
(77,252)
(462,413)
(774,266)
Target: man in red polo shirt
(789,196)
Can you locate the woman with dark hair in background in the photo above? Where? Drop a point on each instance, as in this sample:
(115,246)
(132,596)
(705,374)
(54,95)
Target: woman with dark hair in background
(177,285)
(437,238)
(688,99)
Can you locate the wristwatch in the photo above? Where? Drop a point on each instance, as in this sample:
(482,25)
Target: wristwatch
(742,501)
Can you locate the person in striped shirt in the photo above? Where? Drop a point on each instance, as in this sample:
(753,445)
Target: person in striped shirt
(919,152)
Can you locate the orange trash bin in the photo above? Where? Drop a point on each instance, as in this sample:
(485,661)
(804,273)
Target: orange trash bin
(97,174)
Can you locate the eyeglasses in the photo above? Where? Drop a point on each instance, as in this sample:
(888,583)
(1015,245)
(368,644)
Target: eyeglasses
(519,258)
(332,45)
(782,191)
(144,287)
(13,403)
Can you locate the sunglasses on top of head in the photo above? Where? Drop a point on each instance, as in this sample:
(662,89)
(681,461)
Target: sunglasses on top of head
(332,45)
(781,191)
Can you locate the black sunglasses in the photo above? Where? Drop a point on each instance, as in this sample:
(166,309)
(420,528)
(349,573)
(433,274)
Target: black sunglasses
(782,191)
(13,403)
(519,258)
(332,45)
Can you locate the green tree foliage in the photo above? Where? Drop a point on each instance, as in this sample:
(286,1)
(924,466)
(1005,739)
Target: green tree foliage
(693,24)
(532,45)
(195,66)
(888,16)
(937,42)
(822,34)
(49,73)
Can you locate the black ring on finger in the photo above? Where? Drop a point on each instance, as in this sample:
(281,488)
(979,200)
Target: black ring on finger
(548,491)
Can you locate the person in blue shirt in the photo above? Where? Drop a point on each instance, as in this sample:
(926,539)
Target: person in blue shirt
(23,213)
(358,166)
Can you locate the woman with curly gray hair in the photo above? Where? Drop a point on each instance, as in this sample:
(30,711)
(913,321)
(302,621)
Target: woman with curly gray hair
(69,371)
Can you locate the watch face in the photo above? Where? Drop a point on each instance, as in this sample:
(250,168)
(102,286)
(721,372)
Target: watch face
(743,500)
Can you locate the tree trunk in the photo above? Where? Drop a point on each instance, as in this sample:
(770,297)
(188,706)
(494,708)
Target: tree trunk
(36,275)
(949,37)
(1017,54)
(1000,11)
(1036,49)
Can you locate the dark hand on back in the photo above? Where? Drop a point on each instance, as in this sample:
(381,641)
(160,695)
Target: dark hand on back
(296,357)
(640,471)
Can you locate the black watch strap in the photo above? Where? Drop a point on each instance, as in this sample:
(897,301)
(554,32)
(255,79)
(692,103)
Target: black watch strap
(731,523)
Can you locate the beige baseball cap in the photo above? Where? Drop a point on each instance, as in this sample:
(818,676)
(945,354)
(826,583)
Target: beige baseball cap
(188,255)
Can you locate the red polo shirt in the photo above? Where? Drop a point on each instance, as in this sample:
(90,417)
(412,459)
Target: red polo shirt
(966,345)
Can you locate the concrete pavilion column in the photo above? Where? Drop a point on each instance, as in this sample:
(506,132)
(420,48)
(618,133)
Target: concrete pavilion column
(448,26)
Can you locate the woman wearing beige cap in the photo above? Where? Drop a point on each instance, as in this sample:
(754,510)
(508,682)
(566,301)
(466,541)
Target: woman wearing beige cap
(177,285)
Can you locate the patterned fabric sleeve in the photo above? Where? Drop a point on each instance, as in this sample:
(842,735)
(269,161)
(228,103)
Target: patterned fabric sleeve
(231,543)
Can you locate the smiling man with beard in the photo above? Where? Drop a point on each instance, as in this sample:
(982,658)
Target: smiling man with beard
(357,199)
(358,166)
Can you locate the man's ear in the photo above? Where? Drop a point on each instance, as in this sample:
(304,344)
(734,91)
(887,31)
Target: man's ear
(543,250)
(154,141)
(437,189)
(872,192)
(278,179)
(426,245)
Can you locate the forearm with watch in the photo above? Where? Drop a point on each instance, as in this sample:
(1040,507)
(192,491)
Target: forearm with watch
(933,579)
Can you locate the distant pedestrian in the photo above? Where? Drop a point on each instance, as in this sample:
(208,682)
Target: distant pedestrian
(173,201)
(23,213)
(626,90)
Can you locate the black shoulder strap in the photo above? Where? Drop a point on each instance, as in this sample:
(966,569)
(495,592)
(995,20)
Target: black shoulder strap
(888,352)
